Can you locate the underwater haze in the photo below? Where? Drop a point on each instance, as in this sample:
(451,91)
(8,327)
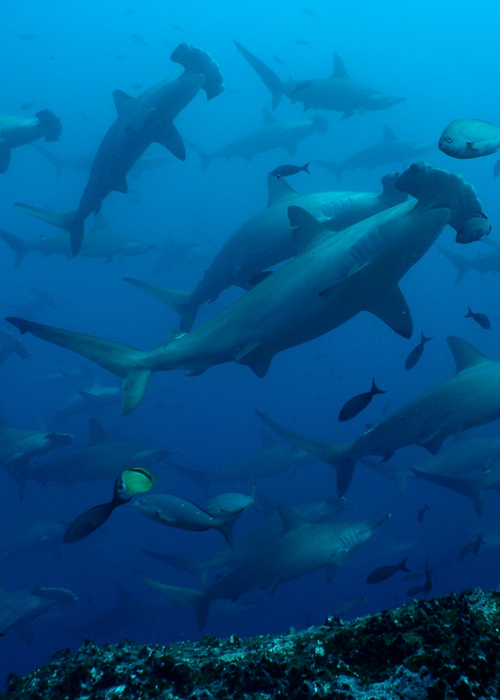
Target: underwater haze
(352,130)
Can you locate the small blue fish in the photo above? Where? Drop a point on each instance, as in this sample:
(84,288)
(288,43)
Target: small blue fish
(481,319)
(287,170)
(358,403)
(416,353)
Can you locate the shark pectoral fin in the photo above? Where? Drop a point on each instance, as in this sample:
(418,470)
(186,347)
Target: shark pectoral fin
(392,309)
(256,356)
(172,140)
(134,386)
(291,147)
(119,184)
(4,158)
(306,230)
(433,442)
(121,99)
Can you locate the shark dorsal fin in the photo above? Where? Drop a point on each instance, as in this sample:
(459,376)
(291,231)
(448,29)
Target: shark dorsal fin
(97,432)
(278,190)
(290,519)
(99,223)
(465,354)
(389,134)
(339,70)
(305,228)
(268,118)
(121,99)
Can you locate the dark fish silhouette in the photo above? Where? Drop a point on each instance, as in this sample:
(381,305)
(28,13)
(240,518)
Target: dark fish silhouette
(301,42)
(472,547)
(358,403)
(426,588)
(481,319)
(28,105)
(283,63)
(421,513)
(385,572)
(287,170)
(416,353)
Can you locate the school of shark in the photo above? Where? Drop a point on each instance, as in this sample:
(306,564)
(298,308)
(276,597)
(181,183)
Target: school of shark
(323,284)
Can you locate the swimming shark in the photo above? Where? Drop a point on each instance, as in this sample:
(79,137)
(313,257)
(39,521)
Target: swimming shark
(102,458)
(18,609)
(304,548)
(390,150)
(266,240)
(333,278)
(99,242)
(469,399)
(17,447)
(274,134)
(19,131)
(482,262)
(87,400)
(337,93)
(83,162)
(9,344)
(141,121)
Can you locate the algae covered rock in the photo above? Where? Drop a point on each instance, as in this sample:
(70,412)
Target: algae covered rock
(438,650)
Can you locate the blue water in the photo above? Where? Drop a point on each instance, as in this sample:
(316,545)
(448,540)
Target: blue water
(438,55)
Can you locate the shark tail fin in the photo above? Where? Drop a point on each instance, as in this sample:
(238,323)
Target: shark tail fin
(50,123)
(335,454)
(122,360)
(194,60)
(462,485)
(184,596)
(268,76)
(178,301)
(70,221)
(461,264)
(17,244)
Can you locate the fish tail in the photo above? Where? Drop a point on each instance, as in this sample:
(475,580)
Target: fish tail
(336,454)
(50,123)
(70,221)
(424,339)
(402,566)
(19,246)
(375,390)
(305,168)
(194,60)
(181,302)
(122,360)
(469,313)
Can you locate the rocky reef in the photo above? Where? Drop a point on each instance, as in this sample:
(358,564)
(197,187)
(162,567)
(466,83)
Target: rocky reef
(428,649)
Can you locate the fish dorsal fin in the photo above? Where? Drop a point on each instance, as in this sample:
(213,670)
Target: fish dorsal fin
(290,519)
(97,432)
(389,134)
(99,223)
(392,309)
(339,70)
(268,439)
(268,118)
(278,190)
(121,99)
(464,354)
(306,230)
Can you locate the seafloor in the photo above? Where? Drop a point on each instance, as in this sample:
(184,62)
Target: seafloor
(438,649)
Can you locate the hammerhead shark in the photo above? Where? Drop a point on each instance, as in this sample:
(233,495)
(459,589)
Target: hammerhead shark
(334,277)
(141,121)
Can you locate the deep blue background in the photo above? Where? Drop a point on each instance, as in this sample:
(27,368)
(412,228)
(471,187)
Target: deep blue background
(438,55)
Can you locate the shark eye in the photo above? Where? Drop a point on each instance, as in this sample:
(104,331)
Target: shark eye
(449,139)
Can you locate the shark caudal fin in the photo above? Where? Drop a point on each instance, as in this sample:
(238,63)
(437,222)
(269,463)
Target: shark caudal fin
(180,302)
(19,246)
(335,454)
(122,360)
(462,485)
(50,124)
(268,76)
(70,221)
(461,264)
(195,60)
